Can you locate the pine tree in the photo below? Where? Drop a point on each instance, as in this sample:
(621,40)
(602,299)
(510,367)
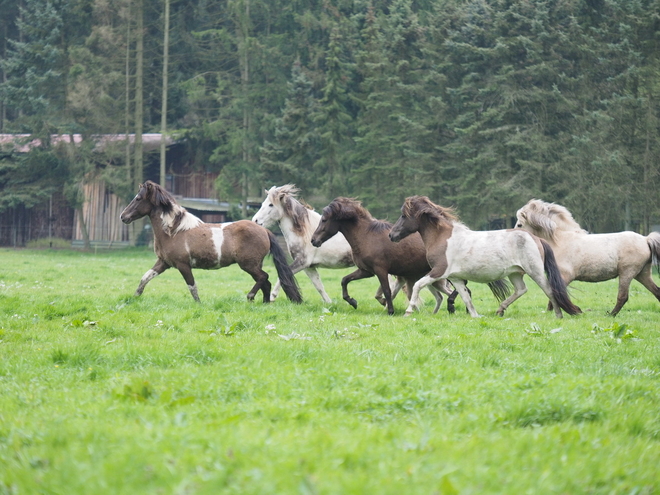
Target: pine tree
(295,148)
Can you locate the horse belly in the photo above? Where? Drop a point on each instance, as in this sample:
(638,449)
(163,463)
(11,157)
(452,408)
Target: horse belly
(487,256)
(334,253)
(205,248)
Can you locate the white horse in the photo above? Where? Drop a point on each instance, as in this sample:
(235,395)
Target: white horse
(298,221)
(593,257)
(458,254)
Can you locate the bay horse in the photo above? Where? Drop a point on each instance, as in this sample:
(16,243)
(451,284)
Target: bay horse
(297,221)
(457,253)
(183,241)
(593,257)
(373,252)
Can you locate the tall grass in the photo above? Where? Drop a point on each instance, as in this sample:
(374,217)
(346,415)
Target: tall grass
(101,392)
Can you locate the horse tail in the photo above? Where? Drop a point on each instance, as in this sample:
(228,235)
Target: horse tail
(288,281)
(501,289)
(653,240)
(557,284)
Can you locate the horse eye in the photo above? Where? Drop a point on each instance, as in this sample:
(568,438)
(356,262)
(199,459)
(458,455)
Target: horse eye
(270,205)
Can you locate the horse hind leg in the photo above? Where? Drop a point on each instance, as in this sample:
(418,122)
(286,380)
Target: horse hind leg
(396,284)
(464,292)
(315,278)
(622,294)
(646,279)
(519,289)
(186,272)
(261,281)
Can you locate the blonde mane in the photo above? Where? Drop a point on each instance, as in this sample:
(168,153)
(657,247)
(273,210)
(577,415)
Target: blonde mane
(545,219)
(416,206)
(296,209)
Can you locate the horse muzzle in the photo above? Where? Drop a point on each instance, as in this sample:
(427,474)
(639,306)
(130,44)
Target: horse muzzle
(316,242)
(394,237)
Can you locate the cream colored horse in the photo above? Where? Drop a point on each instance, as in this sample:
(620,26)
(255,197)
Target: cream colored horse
(593,257)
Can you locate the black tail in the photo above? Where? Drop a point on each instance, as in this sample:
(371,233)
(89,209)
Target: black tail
(653,240)
(501,289)
(287,280)
(557,283)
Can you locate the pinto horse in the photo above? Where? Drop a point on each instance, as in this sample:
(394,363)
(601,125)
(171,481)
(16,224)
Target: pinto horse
(458,254)
(593,257)
(297,221)
(183,241)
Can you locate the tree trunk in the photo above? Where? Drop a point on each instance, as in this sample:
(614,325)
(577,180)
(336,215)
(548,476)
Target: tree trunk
(245,81)
(163,117)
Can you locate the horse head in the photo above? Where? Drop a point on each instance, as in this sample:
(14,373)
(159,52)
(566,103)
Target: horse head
(338,211)
(150,196)
(536,217)
(414,211)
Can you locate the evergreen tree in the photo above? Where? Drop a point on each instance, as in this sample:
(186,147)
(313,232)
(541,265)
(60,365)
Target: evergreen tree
(291,155)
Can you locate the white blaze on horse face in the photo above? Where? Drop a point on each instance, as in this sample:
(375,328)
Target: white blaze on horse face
(269,213)
(218,238)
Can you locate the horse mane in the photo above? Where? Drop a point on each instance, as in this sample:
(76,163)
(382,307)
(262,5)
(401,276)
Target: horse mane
(546,218)
(416,206)
(296,209)
(352,210)
(175,217)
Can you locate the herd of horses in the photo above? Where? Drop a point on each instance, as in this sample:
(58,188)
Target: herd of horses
(428,247)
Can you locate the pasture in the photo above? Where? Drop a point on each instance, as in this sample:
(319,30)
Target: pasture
(101,392)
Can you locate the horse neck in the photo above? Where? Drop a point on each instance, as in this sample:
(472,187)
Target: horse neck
(355,231)
(292,236)
(431,232)
(155,216)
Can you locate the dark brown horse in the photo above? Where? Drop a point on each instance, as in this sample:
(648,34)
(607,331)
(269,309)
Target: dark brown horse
(373,252)
(183,241)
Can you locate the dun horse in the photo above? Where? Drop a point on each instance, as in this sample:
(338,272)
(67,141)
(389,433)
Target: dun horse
(183,241)
(458,254)
(593,257)
(373,252)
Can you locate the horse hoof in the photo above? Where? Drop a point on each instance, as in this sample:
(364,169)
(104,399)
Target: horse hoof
(352,302)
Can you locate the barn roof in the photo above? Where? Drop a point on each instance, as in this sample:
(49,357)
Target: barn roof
(22,143)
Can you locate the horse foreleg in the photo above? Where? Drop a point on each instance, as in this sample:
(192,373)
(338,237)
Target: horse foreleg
(186,272)
(395,286)
(315,278)
(156,270)
(356,275)
(414,303)
(384,280)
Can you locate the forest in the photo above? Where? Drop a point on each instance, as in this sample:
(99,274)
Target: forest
(478,104)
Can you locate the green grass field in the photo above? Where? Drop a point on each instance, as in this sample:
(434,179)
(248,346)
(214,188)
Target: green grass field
(104,393)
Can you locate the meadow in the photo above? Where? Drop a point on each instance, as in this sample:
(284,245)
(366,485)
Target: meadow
(105,393)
